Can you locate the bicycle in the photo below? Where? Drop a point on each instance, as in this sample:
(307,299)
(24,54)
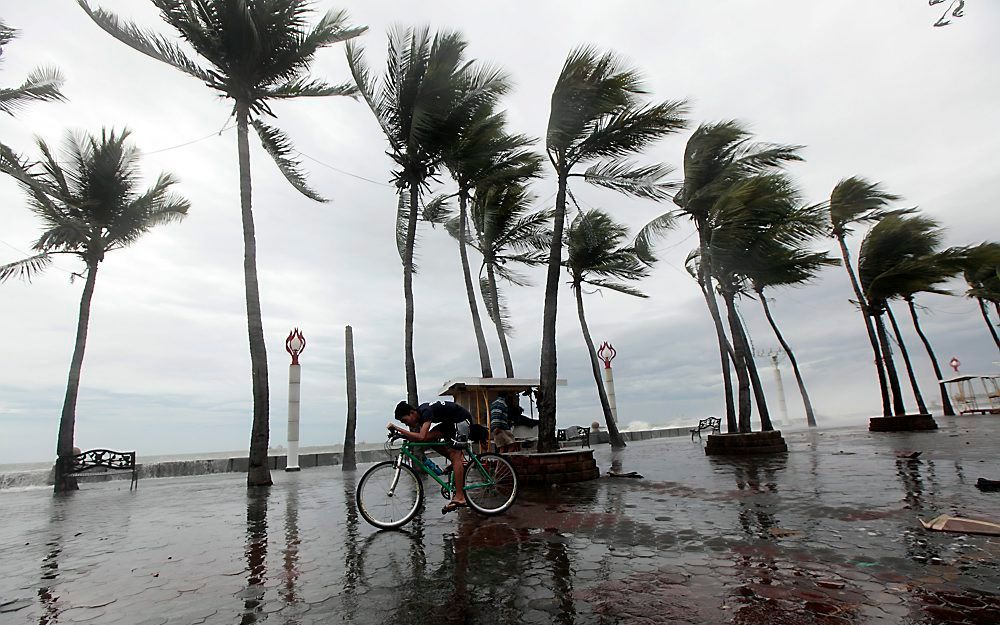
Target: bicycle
(391,492)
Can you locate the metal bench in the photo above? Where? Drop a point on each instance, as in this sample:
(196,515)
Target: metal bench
(108,459)
(711,423)
(574,433)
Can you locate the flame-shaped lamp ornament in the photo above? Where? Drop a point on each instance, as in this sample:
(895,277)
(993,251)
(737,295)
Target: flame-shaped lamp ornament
(607,353)
(294,345)
(955,364)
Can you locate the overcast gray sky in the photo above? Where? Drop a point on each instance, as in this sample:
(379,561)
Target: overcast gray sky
(869,87)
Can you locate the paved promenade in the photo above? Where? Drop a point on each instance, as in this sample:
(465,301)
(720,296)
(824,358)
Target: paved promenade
(827,534)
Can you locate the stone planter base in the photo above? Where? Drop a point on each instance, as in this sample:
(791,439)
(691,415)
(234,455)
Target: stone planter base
(559,467)
(903,423)
(749,444)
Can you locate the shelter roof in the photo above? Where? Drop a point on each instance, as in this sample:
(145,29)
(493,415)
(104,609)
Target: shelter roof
(496,384)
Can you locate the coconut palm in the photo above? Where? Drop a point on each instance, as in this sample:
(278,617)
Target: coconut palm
(257,53)
(506,234)
(428,96)
(483,155)
(596,117)
(981,268)
(717,156)
(91,204)
(855,201)
(793,267)
(42,84)
(889,265)
(595,255)
(350,458)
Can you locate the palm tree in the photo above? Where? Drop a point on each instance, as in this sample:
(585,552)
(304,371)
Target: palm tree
(717,156)
(483,155)
(856,201)
(42,84)
(91,205)
(349,459)
(505,234)
(428,96)
(982,273)
(595,256)
(596,117)
(889,264)
(788,267)
(258,52)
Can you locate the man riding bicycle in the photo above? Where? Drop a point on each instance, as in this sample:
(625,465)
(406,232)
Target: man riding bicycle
(444,421)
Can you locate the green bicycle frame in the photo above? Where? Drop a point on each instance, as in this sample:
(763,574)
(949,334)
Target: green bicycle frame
(404,450)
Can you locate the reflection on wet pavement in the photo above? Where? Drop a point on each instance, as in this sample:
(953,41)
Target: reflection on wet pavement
(827,534)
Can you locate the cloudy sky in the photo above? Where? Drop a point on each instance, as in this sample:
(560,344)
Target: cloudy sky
(869,87)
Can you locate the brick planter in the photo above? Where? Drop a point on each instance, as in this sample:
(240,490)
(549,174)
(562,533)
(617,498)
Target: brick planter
(749,444)
(902,423)
(560,467)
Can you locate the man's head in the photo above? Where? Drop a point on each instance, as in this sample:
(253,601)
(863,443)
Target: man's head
(406,413)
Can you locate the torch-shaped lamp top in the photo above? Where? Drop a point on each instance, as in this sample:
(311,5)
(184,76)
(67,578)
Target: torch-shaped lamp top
(295,344)
(606,353)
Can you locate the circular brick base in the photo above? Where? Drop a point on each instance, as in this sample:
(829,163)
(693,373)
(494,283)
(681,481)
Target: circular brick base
(902,423)
(559,467)
(752,443)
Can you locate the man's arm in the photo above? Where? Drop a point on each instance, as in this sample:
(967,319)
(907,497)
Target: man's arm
(420,436)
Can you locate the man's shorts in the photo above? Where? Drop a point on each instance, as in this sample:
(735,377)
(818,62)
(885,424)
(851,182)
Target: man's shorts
(452,431)
(502,438)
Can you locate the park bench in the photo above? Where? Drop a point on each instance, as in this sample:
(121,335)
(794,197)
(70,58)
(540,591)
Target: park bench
(711,423)
(107,459)
(574,433)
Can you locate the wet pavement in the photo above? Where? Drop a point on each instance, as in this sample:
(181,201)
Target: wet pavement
(826,534)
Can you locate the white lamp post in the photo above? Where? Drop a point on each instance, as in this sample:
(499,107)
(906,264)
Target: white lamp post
(294,345)
(607,354)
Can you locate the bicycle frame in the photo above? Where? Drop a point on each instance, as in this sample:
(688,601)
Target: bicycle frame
(404,450)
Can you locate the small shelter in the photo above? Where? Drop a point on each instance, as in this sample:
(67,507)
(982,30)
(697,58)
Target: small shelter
(476,394)
(969,399)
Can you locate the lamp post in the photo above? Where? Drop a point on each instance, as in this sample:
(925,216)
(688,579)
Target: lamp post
(607,353)
(294,345)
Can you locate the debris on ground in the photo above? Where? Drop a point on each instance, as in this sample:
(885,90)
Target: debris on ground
(613,473)
(986,485)
(946,523)
(908,454)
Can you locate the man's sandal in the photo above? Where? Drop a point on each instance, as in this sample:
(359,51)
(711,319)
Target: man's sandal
(451,506)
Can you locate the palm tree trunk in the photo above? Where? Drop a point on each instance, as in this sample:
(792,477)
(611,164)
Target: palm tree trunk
(890,368)
(258,473)
(67,422)
(949,410)
(614,436)
(758,390)
(349,461)
(725,349)
(477,324)
(411,238)
(547,370)
(986,317)
(740,361)
(508,364)
(906,360)
(863,305)
(810,414)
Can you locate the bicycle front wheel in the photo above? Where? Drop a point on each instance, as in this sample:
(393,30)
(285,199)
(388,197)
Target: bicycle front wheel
(495,490)
(387,501)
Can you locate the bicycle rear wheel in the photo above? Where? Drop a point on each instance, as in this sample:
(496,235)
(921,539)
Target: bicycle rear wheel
(501,492)
(382,505)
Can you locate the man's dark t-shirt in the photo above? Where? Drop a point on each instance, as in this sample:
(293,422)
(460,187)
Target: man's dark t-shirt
(446,412)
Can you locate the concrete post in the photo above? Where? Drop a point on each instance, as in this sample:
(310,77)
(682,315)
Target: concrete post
(782,406)
(294,345)
(607,353)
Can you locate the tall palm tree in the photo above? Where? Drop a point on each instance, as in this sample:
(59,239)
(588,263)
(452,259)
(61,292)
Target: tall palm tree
(595,255)
(42,84)
(506,234)
(888,264)
(350,457)
(788,267)
(483,155)
(982,273)
(717,156)
(91,204)
(596,117)
(428,96)
(257,52)
(855,201)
